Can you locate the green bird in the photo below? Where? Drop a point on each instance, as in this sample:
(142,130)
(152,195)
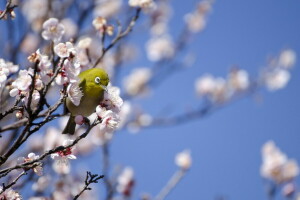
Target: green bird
(93,84)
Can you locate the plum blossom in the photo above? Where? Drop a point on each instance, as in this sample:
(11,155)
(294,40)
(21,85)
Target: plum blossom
(107,8)
(215,89)
(141,3)
(277,79)
(38,169)
(205,85)
(159,48)
(62,157)
(239,79)
(126,181)
(70,72)
(184,160)
(65,50)
(74,93)
(41,184)
(110,120)
(10,194)
(112,99)
(196,21)
(136,82)
(53,30)
(276,166)
(100,24)
(5,69)
(34,9)
(287,58)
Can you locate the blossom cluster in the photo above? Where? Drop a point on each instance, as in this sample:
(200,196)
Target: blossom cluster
(218,89)
(276,166)
(6,68)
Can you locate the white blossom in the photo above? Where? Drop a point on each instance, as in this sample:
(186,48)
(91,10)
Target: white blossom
(239,79)
(38,169)
(159,48)
(141,3)
(277,79)
(53,30)
(62,157)
(205,85)
(10,194)
(137,80)
(125,181)
(276,166)
(184,159)
(74,93)
(41,184)
(287,58)
(35,9)
(110,120)
(107,8)
(64,50)
(112,99)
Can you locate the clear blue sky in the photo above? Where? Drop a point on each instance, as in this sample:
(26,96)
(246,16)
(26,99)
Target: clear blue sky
(226,145)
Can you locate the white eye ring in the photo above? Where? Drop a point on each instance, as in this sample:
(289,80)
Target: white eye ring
(97,80)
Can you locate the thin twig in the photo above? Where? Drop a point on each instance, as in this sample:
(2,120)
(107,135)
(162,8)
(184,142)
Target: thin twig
(90,178)
(119,36)
(175,179)
(5,187)
(8,8)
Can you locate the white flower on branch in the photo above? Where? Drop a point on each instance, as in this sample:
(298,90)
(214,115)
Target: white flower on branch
(38,169)
(159,48)
(136,82)
(287,58)
(277,79)
(141,3)
(100,25)
(239,79)
(10,194)
(184,159)
(74,93)
(53,30)
(5,69)
(34,9)
(41,184)
(126,181)
(65,50)
(62,157)
(112,100)
(110,120)
(107,8)
(276,166)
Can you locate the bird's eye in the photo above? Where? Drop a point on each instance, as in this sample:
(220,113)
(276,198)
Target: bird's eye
(97,80)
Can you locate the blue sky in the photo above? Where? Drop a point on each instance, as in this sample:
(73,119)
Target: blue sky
(225,145)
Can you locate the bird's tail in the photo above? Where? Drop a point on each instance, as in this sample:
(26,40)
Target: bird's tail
(70,127)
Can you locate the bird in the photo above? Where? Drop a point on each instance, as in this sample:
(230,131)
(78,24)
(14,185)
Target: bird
(92,83)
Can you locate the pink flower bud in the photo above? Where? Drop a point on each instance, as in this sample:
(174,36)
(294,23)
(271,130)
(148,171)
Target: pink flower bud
(79,119)
(19,115)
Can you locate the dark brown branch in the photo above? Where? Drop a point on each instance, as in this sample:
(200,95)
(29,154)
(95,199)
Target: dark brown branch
(5,187)
(90,178)
(4,172)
